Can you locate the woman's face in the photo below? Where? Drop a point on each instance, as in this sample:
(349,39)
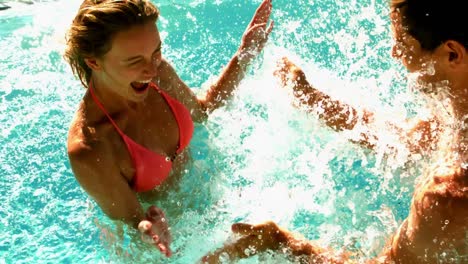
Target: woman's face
(133,61)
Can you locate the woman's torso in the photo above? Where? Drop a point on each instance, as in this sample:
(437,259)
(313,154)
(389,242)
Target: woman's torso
(151,124)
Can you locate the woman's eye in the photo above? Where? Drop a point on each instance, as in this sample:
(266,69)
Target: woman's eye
(158,51)
(134,63)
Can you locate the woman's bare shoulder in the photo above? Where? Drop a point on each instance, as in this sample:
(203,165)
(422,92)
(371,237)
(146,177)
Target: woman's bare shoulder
(88,143)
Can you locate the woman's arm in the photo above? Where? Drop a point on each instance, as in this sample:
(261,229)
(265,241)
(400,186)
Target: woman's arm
(96,172)
(252,43)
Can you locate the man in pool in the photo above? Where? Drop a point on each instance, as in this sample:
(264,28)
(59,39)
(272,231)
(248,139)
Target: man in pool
(126,143)
(428,33)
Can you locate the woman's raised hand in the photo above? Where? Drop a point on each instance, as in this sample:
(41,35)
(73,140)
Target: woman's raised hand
(257,32)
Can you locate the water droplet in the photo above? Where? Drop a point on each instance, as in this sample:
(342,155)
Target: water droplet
(224,257)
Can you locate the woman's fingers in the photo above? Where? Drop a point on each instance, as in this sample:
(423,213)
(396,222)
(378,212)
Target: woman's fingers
(264,31)
(149,236)
(164,249)
(270,28)
(145,227)
(263,13)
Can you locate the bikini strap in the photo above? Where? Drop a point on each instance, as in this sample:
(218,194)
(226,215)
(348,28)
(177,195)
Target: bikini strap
(98,103)
(169,101)
(156,87)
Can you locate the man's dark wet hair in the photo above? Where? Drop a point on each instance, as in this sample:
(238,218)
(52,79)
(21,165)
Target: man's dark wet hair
(433,22)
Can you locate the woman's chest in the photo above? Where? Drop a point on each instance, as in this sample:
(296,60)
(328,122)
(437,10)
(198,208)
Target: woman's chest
(154,126)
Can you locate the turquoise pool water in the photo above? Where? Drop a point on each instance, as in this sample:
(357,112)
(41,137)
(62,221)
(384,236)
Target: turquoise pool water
(256,159)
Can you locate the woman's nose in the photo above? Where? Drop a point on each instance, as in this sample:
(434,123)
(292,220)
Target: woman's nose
(151,68)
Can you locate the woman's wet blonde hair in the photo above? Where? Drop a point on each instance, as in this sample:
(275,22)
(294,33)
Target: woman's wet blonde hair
(95,25)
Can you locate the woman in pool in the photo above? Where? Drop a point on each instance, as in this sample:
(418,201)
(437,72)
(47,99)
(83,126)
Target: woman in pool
(135,120)
(428,33)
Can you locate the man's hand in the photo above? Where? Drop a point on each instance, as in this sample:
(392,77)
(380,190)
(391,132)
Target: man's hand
(289,73)
(254,239)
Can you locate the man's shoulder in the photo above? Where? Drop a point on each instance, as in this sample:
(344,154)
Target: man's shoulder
(444,198)
(450,183)
(437,223)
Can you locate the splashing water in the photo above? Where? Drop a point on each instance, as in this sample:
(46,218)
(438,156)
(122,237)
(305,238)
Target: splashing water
(256,159)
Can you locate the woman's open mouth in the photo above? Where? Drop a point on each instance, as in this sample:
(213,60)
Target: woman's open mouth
(140,87)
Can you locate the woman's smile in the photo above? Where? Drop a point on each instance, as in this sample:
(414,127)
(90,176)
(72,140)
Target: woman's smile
(140,87)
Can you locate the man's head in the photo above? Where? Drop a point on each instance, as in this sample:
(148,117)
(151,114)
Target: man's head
(433,22)
(431,38)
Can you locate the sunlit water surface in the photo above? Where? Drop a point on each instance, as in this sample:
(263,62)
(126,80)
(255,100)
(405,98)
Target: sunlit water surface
(256,159)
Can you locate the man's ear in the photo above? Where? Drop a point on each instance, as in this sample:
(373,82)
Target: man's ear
(93,64)
(457,53)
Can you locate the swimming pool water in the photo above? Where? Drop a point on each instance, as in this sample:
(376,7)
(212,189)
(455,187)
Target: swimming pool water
(258,158)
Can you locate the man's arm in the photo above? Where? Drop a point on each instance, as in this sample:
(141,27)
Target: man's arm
(419,136)
(269,236)
(436,230)
(335,114)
